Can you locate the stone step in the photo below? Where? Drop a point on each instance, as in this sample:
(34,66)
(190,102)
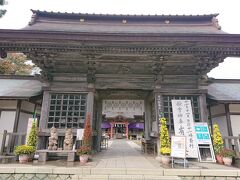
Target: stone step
(124,177)
(123,171)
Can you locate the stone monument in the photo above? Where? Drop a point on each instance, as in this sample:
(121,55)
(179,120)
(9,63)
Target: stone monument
(68,141)
(52,144)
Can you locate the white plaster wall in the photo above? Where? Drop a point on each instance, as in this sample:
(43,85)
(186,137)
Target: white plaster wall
(235,122)
(234,108)
(218,109)
(27,106)
(23,122)
(6,122)
(222,123)
(38,109)
(8,104)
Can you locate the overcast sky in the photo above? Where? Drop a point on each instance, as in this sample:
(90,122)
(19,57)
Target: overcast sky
(19,14)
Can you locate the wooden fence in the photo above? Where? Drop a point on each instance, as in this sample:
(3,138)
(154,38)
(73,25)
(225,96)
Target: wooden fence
(10,140)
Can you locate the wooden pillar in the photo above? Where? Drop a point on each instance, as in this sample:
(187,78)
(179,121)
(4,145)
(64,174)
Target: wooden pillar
(44,110)
(98,125)
(147,119)
(210,118)
(126,124)
(159,113)
(90,104)
(228,118)
(17,115)
(203,108)
(111,132)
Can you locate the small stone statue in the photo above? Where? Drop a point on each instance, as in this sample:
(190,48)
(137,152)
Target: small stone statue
(68,141)
(52,145)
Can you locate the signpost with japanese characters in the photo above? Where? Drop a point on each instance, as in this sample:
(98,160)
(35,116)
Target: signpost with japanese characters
(202,133)
(184,125)
(206,153)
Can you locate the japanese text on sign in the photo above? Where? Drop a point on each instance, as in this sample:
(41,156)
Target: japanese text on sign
(184,125)
(202,133)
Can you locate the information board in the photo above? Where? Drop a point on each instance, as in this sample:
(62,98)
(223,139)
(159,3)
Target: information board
(202,133)
(205,148)
(178,146)
(184,125)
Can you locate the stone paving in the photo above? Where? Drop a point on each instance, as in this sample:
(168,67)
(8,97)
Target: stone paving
(123,160)
(123,154)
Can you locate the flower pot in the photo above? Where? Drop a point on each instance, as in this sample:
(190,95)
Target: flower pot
(23,158)
(219,159)
(83,158)
(166,160)
(30,157)
(159,158)
(227,161)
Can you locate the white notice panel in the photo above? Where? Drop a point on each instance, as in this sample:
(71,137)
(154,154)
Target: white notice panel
(178,146)
(80,134)
(184,125)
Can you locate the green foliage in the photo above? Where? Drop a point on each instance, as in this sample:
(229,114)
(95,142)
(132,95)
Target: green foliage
(165,146)
(2,2)
(228,153)
(24,149)
(217,140)
(84,150)
(87,134)
(2,11)
(33,135)
(15,63)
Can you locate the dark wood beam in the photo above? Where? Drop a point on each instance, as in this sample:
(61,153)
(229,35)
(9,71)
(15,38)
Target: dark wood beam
(228,118)
(17,115)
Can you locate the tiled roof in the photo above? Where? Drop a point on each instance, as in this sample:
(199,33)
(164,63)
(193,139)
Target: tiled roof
(224,90)
(20,88)
(112,23)
(157,16)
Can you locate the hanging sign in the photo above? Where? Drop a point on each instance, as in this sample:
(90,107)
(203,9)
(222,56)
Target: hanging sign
(178,146)
(184,125)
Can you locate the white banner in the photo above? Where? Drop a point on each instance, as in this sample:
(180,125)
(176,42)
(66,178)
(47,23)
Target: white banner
(184,125)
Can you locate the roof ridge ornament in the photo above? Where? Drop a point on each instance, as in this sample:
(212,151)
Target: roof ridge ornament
(33,19)
(215,23)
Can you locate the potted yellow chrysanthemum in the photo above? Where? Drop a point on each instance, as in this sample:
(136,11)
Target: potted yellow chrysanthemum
(165,146)
(217,143)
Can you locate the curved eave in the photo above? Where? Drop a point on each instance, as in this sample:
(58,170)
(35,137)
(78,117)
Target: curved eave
(49,36)
(227,45)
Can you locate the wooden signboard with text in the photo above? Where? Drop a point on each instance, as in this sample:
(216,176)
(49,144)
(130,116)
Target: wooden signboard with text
(184,125)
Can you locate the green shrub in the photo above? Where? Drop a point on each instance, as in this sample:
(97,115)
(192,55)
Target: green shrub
(24,149)
(84,150)
(33,135)
(228,153)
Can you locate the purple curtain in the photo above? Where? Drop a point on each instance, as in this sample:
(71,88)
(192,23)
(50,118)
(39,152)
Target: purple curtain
(136,126)
(105,125)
